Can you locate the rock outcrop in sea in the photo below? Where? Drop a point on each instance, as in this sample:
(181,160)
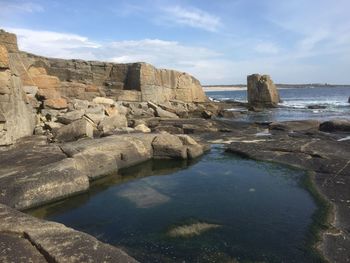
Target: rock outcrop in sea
(262,92)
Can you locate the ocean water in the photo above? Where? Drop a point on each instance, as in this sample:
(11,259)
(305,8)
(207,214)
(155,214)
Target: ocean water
(262,211)
(295,103)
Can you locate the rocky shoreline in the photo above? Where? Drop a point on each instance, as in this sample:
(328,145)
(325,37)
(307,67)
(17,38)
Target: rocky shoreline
(67,123)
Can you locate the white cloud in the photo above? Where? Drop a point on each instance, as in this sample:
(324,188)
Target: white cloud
(209,66)
(54,44)
(192,17)
(9,8)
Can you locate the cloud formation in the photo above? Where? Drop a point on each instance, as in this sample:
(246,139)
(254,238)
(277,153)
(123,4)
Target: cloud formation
(192,17)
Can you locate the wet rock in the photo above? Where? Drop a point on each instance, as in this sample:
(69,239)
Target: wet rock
(335,126)
(302,125)
(144,196)
(75,130)
(193,229)
(262,92)
(316,107)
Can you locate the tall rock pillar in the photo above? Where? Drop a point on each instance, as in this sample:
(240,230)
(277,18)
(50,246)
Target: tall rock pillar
(262,92)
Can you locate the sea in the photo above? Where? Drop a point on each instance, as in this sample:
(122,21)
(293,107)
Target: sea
(298,103)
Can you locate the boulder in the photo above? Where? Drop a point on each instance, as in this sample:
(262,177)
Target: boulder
(109,124)
(75,130)
(71,116)
(160,112)
(262,92)
(102,100)
(142,128)
(316,106)
(106,155)
(57,104)
(338,125)
(168,146)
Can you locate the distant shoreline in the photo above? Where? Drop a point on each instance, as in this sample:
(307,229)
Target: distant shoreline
(210,88)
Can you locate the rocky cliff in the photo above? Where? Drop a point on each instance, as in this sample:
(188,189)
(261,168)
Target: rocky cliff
(30,82)
(16,114)
(81,79)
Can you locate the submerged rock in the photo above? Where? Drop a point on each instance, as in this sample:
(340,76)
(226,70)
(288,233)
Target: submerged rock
(190,230)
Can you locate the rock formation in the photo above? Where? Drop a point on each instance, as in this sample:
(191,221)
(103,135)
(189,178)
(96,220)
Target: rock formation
(56,78)
(262,92)
(16,115)
(55,88)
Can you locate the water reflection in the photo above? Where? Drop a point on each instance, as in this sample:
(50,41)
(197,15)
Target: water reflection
(223,208)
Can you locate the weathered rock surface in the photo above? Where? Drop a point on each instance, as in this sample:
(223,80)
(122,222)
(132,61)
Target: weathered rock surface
(33,172)
(262,92)
(15,248)
(109,124)
(335,126)
(57,104)
(294,125)
(169,146)
(16,117)
(75,130)
(89,79)
(9,41)
(42,241)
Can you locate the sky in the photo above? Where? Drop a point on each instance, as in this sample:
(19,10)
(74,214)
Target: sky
(219,42)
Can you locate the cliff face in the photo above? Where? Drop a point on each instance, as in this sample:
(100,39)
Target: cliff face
(26,79)
(16,114)
(88,79)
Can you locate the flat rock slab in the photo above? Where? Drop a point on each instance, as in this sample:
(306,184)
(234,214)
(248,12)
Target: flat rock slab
(57,242)
(29,153)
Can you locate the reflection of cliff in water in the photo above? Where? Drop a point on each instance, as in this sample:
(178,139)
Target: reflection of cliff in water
(148,168)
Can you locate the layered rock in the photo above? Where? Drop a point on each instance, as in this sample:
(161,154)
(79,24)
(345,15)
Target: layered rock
(262,92)
(16,114)
(87,79)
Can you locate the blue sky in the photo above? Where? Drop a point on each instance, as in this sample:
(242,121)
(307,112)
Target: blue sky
(219,42)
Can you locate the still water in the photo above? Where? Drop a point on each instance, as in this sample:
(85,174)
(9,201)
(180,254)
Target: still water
(262,211)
